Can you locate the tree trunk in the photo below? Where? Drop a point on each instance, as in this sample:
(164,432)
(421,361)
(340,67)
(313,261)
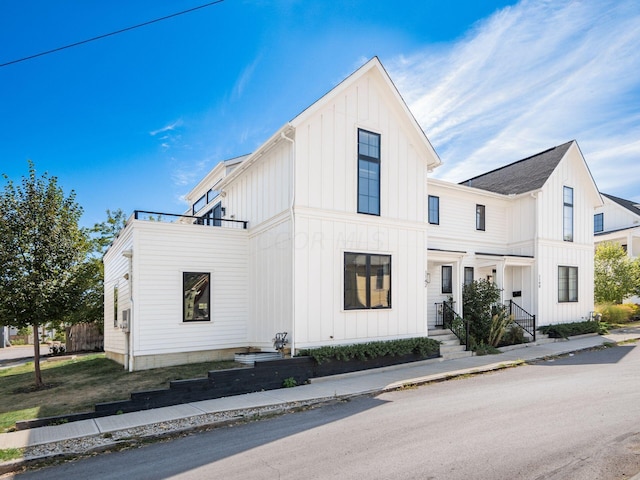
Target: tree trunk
(36,356)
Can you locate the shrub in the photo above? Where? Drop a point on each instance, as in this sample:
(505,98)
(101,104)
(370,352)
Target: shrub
(514,335)
(613,313)
(422,346)
(289,382)
(566,330)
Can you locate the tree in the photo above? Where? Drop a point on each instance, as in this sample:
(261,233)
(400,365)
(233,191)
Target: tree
(41,252)
(615,274)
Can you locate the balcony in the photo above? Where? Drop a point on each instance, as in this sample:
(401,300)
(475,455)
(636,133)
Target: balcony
(205,220)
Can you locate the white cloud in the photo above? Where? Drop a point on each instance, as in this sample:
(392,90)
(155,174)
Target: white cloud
(167,128)
(529,77)
(243,80)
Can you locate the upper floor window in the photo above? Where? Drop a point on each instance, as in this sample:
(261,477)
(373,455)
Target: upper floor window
(200,204)
(367,281)
(447,279)
(567,214)
(434,210)
(567,284)
(368,172)
(598,222)
(480,217)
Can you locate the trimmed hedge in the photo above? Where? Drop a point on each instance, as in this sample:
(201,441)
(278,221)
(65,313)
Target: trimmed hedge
(422,346)
(566,330)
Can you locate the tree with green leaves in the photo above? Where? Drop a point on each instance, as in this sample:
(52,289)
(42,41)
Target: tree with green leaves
(42,250)
(615,274)
(479,300)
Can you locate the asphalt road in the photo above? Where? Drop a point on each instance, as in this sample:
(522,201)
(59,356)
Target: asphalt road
(571,418)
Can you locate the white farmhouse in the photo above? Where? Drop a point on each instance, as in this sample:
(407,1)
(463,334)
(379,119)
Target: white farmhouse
(528,227)
(618,221)
(327,232)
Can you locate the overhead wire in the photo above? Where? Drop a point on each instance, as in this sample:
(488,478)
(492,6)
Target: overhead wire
(99,37)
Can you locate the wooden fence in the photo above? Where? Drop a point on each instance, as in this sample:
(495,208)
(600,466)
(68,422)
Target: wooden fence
(84,337)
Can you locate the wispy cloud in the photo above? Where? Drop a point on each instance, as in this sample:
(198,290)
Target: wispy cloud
(167,128)
(243,80)
(529,77)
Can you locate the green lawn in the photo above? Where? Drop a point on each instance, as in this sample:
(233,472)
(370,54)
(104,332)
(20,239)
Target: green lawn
(75,385)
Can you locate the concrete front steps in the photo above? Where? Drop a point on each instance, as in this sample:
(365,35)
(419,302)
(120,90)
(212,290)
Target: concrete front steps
(450,347)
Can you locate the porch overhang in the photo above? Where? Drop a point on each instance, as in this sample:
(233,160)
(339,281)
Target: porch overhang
(444,256)
(506,260)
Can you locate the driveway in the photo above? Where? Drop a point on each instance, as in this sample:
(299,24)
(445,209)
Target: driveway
(10,356)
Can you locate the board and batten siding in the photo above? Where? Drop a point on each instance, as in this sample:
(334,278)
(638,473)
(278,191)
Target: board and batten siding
(161,253)
(115,268)
(326,153)
(327,223)
(270,285)
(263,190)
(320,244)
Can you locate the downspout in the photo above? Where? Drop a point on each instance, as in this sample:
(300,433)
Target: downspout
(536,273)
(293,239)
(128,361)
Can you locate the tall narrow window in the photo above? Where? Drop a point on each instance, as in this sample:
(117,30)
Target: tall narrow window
(480,217)
(447,279)
(468,275)
(434,210)
(196,296)
(567,284)
(368,172)
(115,306)
(598,222)
(567,214)
(367,281)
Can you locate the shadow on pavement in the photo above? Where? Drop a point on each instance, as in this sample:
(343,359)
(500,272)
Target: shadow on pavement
(591,357)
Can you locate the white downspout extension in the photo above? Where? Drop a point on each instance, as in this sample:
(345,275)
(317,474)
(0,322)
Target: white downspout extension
(535,282)
(293,240)
(129,345)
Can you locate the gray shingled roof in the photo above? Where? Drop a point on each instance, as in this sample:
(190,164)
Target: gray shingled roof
(522,176)
(628,204)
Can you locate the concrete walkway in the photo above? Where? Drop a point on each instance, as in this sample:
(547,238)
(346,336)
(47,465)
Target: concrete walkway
(319,390)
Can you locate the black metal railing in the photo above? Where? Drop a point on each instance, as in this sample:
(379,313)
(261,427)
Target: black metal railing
(523,318)
(447,318)
(175,218)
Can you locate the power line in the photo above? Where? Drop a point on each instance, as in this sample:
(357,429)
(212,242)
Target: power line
(99,37)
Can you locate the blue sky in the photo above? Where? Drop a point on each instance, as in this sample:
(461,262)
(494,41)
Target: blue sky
(133,121)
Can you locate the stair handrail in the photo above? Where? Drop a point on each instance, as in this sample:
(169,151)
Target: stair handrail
(522,318)
(457,324)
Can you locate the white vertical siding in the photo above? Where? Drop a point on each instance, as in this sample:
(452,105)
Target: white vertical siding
(270,283)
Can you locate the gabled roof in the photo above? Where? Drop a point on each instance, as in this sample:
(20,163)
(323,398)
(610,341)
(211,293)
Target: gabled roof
(633,207)
(523,176)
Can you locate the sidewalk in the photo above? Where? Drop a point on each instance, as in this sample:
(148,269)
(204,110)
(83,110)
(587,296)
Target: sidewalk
(89,435)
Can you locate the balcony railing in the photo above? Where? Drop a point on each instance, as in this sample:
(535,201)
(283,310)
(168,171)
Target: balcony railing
(189,219)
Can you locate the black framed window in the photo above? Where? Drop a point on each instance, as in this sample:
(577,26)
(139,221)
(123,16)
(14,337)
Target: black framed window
(434,210)
(598,222)
(368,172)
(480,217)
(447,279)
(367,281)
(468,275)
(567,214)
(199,204)
(196,296)
(567,284)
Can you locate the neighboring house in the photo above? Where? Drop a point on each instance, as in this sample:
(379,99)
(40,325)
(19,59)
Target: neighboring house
(526,226)
(331,244)
(327,232)
(618,221)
